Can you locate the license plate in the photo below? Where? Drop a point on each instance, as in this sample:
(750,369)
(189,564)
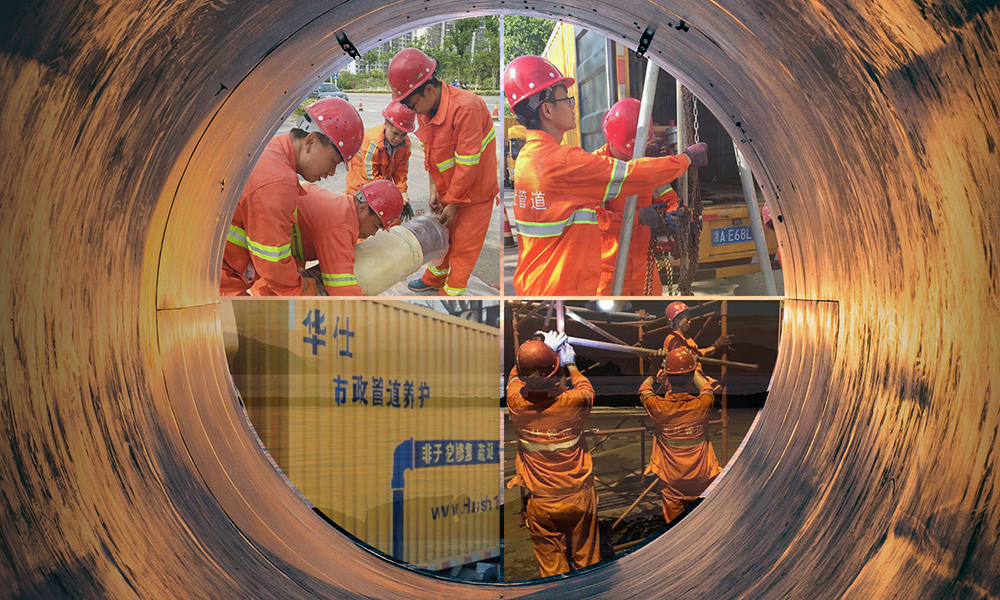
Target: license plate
(731,235)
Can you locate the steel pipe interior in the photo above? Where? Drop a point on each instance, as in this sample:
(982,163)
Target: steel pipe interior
(129,128)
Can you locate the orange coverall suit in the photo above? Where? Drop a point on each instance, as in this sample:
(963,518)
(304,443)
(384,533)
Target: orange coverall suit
(327,230)
(460,151)
(609,220)
(373,162)
(557,189)
(554,465)
(259,244)
(683,458)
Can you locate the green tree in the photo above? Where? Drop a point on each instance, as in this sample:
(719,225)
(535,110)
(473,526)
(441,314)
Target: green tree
(525,35)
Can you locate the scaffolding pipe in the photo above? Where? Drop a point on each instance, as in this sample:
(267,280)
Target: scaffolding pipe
(575,341)
(638,151)
(756,225)
(682,143)
(629,510)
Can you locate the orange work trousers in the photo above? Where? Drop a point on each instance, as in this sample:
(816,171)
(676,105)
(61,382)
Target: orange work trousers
(564,531)
(467,234)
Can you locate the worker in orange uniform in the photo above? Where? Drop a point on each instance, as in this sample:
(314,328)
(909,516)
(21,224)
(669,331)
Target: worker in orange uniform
(557,188)
(678,338)
(619,126)
(553,460)
(459,141)
(385,154)
(259,242)
(683,457)
(328,227)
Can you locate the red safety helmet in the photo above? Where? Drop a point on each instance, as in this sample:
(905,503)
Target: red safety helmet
(674,309)
(400,116)
(528,75)
(620,124)
(536,362)
(408,70)
(385,199)
(679,361)
(765,214)
(339,122)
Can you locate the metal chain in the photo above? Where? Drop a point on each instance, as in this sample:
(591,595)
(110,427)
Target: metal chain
(657,258)
(689,236)
(694,113)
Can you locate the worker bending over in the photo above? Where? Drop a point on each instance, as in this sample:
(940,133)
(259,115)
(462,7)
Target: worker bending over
(619,126)
(557,188)
(259,242)
(553,460)
(459,141)
(683,457)
(329,225)
(385,154)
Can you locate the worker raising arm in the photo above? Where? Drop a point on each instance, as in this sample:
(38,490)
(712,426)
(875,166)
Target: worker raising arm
(557,188)
(259,242)
(553,460)
(683,457)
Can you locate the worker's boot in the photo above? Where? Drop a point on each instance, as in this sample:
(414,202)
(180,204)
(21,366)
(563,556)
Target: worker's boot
(418,285)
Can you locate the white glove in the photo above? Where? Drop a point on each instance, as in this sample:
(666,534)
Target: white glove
(552,339)
(566,354)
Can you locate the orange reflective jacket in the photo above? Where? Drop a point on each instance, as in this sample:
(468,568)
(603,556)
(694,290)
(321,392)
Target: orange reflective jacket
(327,231)
(557,190)
(259,241)
(552,457)
(609,220)
(682,455)
(373,162)
(460,148)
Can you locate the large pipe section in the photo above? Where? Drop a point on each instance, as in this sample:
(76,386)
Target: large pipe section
(129,469)
(386,258)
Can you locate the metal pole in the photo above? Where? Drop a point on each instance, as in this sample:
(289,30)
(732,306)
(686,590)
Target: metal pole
(628,219)
(682,143)
(756,226)
(613,347)
(629,510)
(560,317)
(502,66)
(725,388)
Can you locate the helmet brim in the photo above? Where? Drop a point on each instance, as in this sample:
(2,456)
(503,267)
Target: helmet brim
(567,81)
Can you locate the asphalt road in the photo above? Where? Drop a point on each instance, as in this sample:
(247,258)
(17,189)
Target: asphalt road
(489,266)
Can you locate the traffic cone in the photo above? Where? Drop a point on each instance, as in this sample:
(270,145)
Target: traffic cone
(360,108)
(508,235)
(496,110)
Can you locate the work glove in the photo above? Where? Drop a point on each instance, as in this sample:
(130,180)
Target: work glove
(407,213)
(567,355)
(552,339)
(314,273)
(652,217)
(698,154)
(725,341)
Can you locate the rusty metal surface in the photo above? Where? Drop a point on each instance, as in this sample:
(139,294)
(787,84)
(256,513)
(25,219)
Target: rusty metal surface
(128,471)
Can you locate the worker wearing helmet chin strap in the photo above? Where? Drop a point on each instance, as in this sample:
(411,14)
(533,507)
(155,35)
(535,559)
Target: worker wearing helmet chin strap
(683,458)
(328,227)
(459,141)
(258,245)
(678,338)
(553,460)
(619,126)
(557,188)
(385,154)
